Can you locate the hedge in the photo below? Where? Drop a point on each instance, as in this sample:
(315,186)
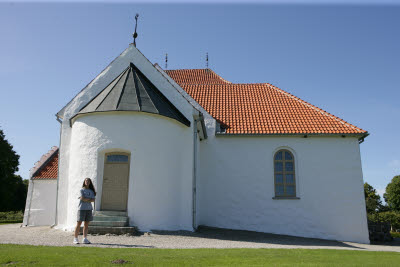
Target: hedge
(388,216)
(11,217)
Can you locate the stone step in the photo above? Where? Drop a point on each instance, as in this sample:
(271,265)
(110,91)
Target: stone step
(110,218)
(110,213)
(102,230)
(109,223)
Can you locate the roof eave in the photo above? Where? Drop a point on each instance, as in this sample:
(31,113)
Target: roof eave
(360,135)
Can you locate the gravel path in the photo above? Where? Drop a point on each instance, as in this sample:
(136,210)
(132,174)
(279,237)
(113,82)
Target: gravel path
(206,238)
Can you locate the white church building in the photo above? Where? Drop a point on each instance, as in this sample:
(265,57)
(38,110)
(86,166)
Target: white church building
(176,149)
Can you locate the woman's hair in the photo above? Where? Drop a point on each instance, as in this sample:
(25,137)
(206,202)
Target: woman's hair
(90,185)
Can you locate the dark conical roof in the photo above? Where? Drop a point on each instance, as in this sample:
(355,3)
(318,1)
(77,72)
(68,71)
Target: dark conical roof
(132,91)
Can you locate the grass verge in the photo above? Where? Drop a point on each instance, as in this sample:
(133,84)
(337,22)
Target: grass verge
(8,222)
(90,256)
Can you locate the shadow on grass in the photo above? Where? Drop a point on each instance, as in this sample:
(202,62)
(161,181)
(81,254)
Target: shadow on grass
(256,237)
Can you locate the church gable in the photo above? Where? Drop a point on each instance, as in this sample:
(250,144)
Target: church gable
(111,74)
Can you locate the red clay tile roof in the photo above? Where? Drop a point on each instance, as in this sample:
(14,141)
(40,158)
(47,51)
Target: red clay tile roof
(258,108)
(47,167)
(196,76)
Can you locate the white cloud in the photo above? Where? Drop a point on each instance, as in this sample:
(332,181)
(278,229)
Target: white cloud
(380,192)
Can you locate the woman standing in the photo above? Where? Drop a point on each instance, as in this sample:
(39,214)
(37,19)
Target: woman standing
(88,195)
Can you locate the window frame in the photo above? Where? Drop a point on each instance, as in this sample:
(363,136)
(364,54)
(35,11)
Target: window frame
(117,162)
(284,172)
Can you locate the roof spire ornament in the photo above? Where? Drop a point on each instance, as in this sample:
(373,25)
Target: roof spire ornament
(135,35)
(207,60)
(166,61)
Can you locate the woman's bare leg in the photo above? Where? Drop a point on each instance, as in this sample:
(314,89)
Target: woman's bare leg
(85,228)
(77,228)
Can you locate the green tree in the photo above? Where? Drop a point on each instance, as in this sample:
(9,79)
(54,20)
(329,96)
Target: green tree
(373,201)
(12,188)
(392,194)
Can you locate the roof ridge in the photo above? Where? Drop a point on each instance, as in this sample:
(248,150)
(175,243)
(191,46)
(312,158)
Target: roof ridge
(230,83)
(315,108)
(188,69)
(203,84)
(219,76)
(206,69)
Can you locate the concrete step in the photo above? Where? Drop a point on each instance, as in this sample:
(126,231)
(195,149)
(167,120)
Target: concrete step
(110,218)
(110,213)
(109,223)
(102,230)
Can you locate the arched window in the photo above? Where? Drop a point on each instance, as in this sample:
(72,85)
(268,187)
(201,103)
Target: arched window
(284,174)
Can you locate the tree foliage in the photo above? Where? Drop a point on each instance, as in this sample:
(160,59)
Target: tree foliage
(12,188)
(373,201)
(392,194)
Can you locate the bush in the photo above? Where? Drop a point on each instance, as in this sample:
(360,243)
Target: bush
(11,217)
(395,234)
(388,216)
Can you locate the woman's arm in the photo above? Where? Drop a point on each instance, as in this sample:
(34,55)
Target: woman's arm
(87,199)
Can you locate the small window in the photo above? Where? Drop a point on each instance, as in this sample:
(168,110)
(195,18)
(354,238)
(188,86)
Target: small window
(117,158)
(284,174)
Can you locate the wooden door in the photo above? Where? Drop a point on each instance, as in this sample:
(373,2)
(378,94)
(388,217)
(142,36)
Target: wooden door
(115,182)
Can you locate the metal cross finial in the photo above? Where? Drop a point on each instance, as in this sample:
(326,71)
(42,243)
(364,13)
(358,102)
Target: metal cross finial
(207,60)
(166,61)
(135,33)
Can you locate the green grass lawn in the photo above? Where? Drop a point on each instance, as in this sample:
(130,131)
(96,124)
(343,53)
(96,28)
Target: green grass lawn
(16,255)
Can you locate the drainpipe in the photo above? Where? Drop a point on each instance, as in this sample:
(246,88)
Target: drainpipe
(194,174)
(30,203)
(58,175)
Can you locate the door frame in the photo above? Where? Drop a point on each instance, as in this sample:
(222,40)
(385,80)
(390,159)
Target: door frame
(129,171)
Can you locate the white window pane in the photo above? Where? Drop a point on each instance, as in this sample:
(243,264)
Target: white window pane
(289,178)
(279,178)
(289,166)
(279,190)
(278,156)
(290,190)
(288,156)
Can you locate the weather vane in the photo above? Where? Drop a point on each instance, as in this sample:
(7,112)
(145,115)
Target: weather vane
(207,60)
(135,34)
(166,61)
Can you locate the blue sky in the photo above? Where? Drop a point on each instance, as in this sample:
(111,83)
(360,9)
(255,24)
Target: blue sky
(344,59)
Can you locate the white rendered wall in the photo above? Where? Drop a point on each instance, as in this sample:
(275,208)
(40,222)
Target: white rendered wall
(131,54)
(237,186)
(41,203)
(161,166)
